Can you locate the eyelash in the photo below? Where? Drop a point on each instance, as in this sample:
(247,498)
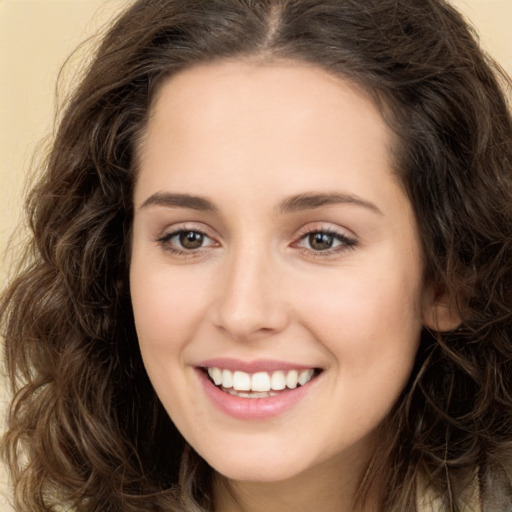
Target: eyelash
(165,239)
(345,242)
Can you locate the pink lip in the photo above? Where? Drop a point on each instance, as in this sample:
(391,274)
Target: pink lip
(260,365)
(254,408)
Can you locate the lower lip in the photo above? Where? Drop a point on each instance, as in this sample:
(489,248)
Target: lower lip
(254,408)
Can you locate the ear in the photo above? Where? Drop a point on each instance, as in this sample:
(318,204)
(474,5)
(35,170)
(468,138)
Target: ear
(440,311)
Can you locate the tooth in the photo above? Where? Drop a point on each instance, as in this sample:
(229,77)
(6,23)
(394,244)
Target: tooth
(305,376)
(216,375)
(244,395)
(241,381)
(227,379)
(260,382)
(278,381)
(292,378)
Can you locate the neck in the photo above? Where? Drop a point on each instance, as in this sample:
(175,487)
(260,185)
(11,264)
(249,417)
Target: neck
(331,487)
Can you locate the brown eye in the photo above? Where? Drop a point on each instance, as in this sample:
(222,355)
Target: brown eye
(191,240)
(186,242)
(326,243)
(320,241)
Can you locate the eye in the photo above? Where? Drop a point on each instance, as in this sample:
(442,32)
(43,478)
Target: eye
(185,240)
(190,239)
(321,241)
(325,242)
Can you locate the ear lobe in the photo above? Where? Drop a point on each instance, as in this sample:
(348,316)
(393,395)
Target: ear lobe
(440,313)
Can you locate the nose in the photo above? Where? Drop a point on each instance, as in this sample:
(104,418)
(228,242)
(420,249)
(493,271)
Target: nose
(251,303)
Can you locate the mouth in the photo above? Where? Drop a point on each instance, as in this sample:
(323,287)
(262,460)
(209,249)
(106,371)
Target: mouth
(262,384)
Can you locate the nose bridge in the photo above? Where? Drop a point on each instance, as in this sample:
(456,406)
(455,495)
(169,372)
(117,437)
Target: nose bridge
(250,302)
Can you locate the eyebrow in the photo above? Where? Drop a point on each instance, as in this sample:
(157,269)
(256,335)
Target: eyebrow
(174,200)
(310,201)
(300,202)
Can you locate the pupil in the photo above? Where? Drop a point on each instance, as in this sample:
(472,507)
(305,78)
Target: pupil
(320,241)
(191,239)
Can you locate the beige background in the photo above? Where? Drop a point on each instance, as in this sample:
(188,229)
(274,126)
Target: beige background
(36,37)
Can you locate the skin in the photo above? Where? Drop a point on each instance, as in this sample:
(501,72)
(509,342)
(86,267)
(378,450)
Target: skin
(247,137)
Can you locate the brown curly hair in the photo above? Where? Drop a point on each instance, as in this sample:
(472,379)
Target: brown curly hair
(85,427)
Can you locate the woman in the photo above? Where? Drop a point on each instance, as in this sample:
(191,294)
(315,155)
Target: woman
(270,268)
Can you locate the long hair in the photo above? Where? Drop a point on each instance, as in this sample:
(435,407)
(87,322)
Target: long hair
(85,427)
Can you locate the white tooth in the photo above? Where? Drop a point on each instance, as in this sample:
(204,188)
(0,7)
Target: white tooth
(292,378)
(305,376)
(278,381)
(216,375)
(244,395)
(227,379)
(241,381)
(260,382)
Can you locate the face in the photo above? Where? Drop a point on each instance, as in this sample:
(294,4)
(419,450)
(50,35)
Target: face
(276,276)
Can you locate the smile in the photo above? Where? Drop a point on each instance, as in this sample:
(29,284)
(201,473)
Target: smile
(260,384)
(259,389)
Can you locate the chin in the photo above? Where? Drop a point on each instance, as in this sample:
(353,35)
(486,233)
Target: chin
(247,470)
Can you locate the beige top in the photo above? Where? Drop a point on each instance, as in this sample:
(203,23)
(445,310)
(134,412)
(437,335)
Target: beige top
(429,502)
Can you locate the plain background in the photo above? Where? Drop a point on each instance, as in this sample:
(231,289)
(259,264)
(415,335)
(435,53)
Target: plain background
(37,36)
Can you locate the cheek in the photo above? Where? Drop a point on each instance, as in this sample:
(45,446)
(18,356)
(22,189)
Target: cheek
(170,305)
(168,312)
(372,334)
(162,323)
(167,305)
(370,321)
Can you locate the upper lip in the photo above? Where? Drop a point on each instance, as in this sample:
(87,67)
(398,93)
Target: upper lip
(258,365)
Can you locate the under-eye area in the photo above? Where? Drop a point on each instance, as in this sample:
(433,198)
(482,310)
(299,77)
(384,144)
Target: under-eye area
(260,384)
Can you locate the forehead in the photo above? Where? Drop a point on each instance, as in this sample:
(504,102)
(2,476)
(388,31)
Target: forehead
(274,90)
(247,76)
(235,109)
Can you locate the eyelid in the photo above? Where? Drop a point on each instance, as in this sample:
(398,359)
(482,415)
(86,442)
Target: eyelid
(327,227)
